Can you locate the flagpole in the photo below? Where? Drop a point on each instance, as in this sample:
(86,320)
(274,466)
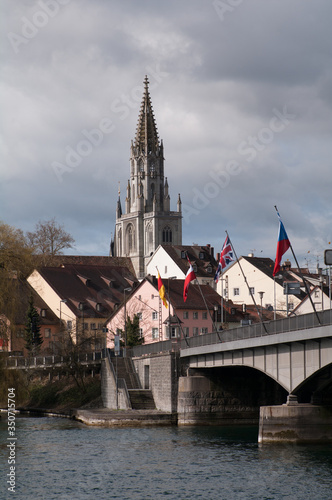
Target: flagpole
(246,282)
(300,273)
(208,310)
(176,316)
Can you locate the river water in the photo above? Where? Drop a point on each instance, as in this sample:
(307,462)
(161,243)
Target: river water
(62,459)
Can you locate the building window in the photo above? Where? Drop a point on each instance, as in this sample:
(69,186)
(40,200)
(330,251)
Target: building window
(155,333)
(85,326)
(92,326)
(195,268)
(185,314)
(167,235)
(173,332)
(43,313)
(236,291)
(204,315)
(316,294)
(140,331)
(130,239)
(195,331)
(201,255)
(204,330)
(183,254)
(98,307)
(291,306)
(139,315)
(252,290)
(47,333)
(69,325)
(195,315)
(154,315)
(186,331)
(209,269)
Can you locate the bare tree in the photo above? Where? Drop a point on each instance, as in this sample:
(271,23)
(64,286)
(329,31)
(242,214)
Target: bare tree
(49,239)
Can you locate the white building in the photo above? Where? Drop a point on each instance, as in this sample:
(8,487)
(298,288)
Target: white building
(264,288)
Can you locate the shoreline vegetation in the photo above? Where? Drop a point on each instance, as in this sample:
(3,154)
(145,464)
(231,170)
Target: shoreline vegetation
(35,392)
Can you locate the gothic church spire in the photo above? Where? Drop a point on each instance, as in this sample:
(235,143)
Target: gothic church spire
(146,139)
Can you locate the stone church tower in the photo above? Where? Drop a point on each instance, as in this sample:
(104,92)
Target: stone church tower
(148,220)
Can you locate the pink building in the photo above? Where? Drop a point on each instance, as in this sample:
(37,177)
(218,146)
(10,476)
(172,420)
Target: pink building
(157,322)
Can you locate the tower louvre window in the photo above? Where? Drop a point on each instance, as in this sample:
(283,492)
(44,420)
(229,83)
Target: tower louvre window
(167,235)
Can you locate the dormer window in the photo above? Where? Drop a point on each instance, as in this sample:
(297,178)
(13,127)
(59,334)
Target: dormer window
(81,306)
(209,269)
(98,307)
(183,254)
(195,268)
(43,313)
(201,255)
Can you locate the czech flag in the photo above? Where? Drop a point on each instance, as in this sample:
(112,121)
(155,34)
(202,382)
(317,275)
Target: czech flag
(161,290)
(189,277)
(282,246)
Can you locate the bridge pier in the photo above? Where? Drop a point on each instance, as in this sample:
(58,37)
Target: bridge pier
(297,423)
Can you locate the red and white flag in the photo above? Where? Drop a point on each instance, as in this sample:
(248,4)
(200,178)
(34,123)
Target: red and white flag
(189,277)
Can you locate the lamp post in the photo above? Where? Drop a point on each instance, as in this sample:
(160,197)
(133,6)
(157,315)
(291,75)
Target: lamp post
(125,315)
(261,297)
(169,306)
(64,302)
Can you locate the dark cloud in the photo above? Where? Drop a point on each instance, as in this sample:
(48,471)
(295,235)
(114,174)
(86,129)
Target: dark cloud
(217,80)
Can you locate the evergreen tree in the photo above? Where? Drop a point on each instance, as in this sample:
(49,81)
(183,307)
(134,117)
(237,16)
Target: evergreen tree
(33,339)
(133,334)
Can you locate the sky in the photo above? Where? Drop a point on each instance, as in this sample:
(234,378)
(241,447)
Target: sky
(241,92)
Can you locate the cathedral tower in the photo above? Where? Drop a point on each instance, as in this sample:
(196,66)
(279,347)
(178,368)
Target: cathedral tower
(148,220)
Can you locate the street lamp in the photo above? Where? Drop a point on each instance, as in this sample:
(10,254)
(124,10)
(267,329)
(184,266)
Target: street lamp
(261,297)
(64,302)
(279,277)
(125,315)
(169,306)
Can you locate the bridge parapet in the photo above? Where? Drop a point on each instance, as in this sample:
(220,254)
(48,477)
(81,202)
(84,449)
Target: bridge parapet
(284,325)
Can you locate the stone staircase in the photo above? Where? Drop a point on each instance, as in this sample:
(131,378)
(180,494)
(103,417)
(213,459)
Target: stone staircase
(141,399)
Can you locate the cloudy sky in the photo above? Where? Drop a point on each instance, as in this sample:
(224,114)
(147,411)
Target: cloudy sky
(242,97)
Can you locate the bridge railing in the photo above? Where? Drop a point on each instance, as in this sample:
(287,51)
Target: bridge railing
(38,361)
(289,324)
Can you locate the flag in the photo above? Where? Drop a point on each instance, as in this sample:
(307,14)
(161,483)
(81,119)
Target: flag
(226,256)
(189,277)
(161,290)
(282,246)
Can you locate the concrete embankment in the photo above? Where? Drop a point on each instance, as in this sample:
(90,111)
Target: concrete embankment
(122,418)
(298,423)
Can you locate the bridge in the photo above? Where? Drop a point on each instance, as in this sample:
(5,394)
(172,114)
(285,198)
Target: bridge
(230,376)
(290,351)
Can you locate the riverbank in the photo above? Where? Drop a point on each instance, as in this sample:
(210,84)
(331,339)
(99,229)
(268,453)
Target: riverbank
(123,418)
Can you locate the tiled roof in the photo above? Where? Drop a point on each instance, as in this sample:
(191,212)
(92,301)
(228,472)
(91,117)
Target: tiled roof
(194,299)
(92,260)
(90,285)
(202,256)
